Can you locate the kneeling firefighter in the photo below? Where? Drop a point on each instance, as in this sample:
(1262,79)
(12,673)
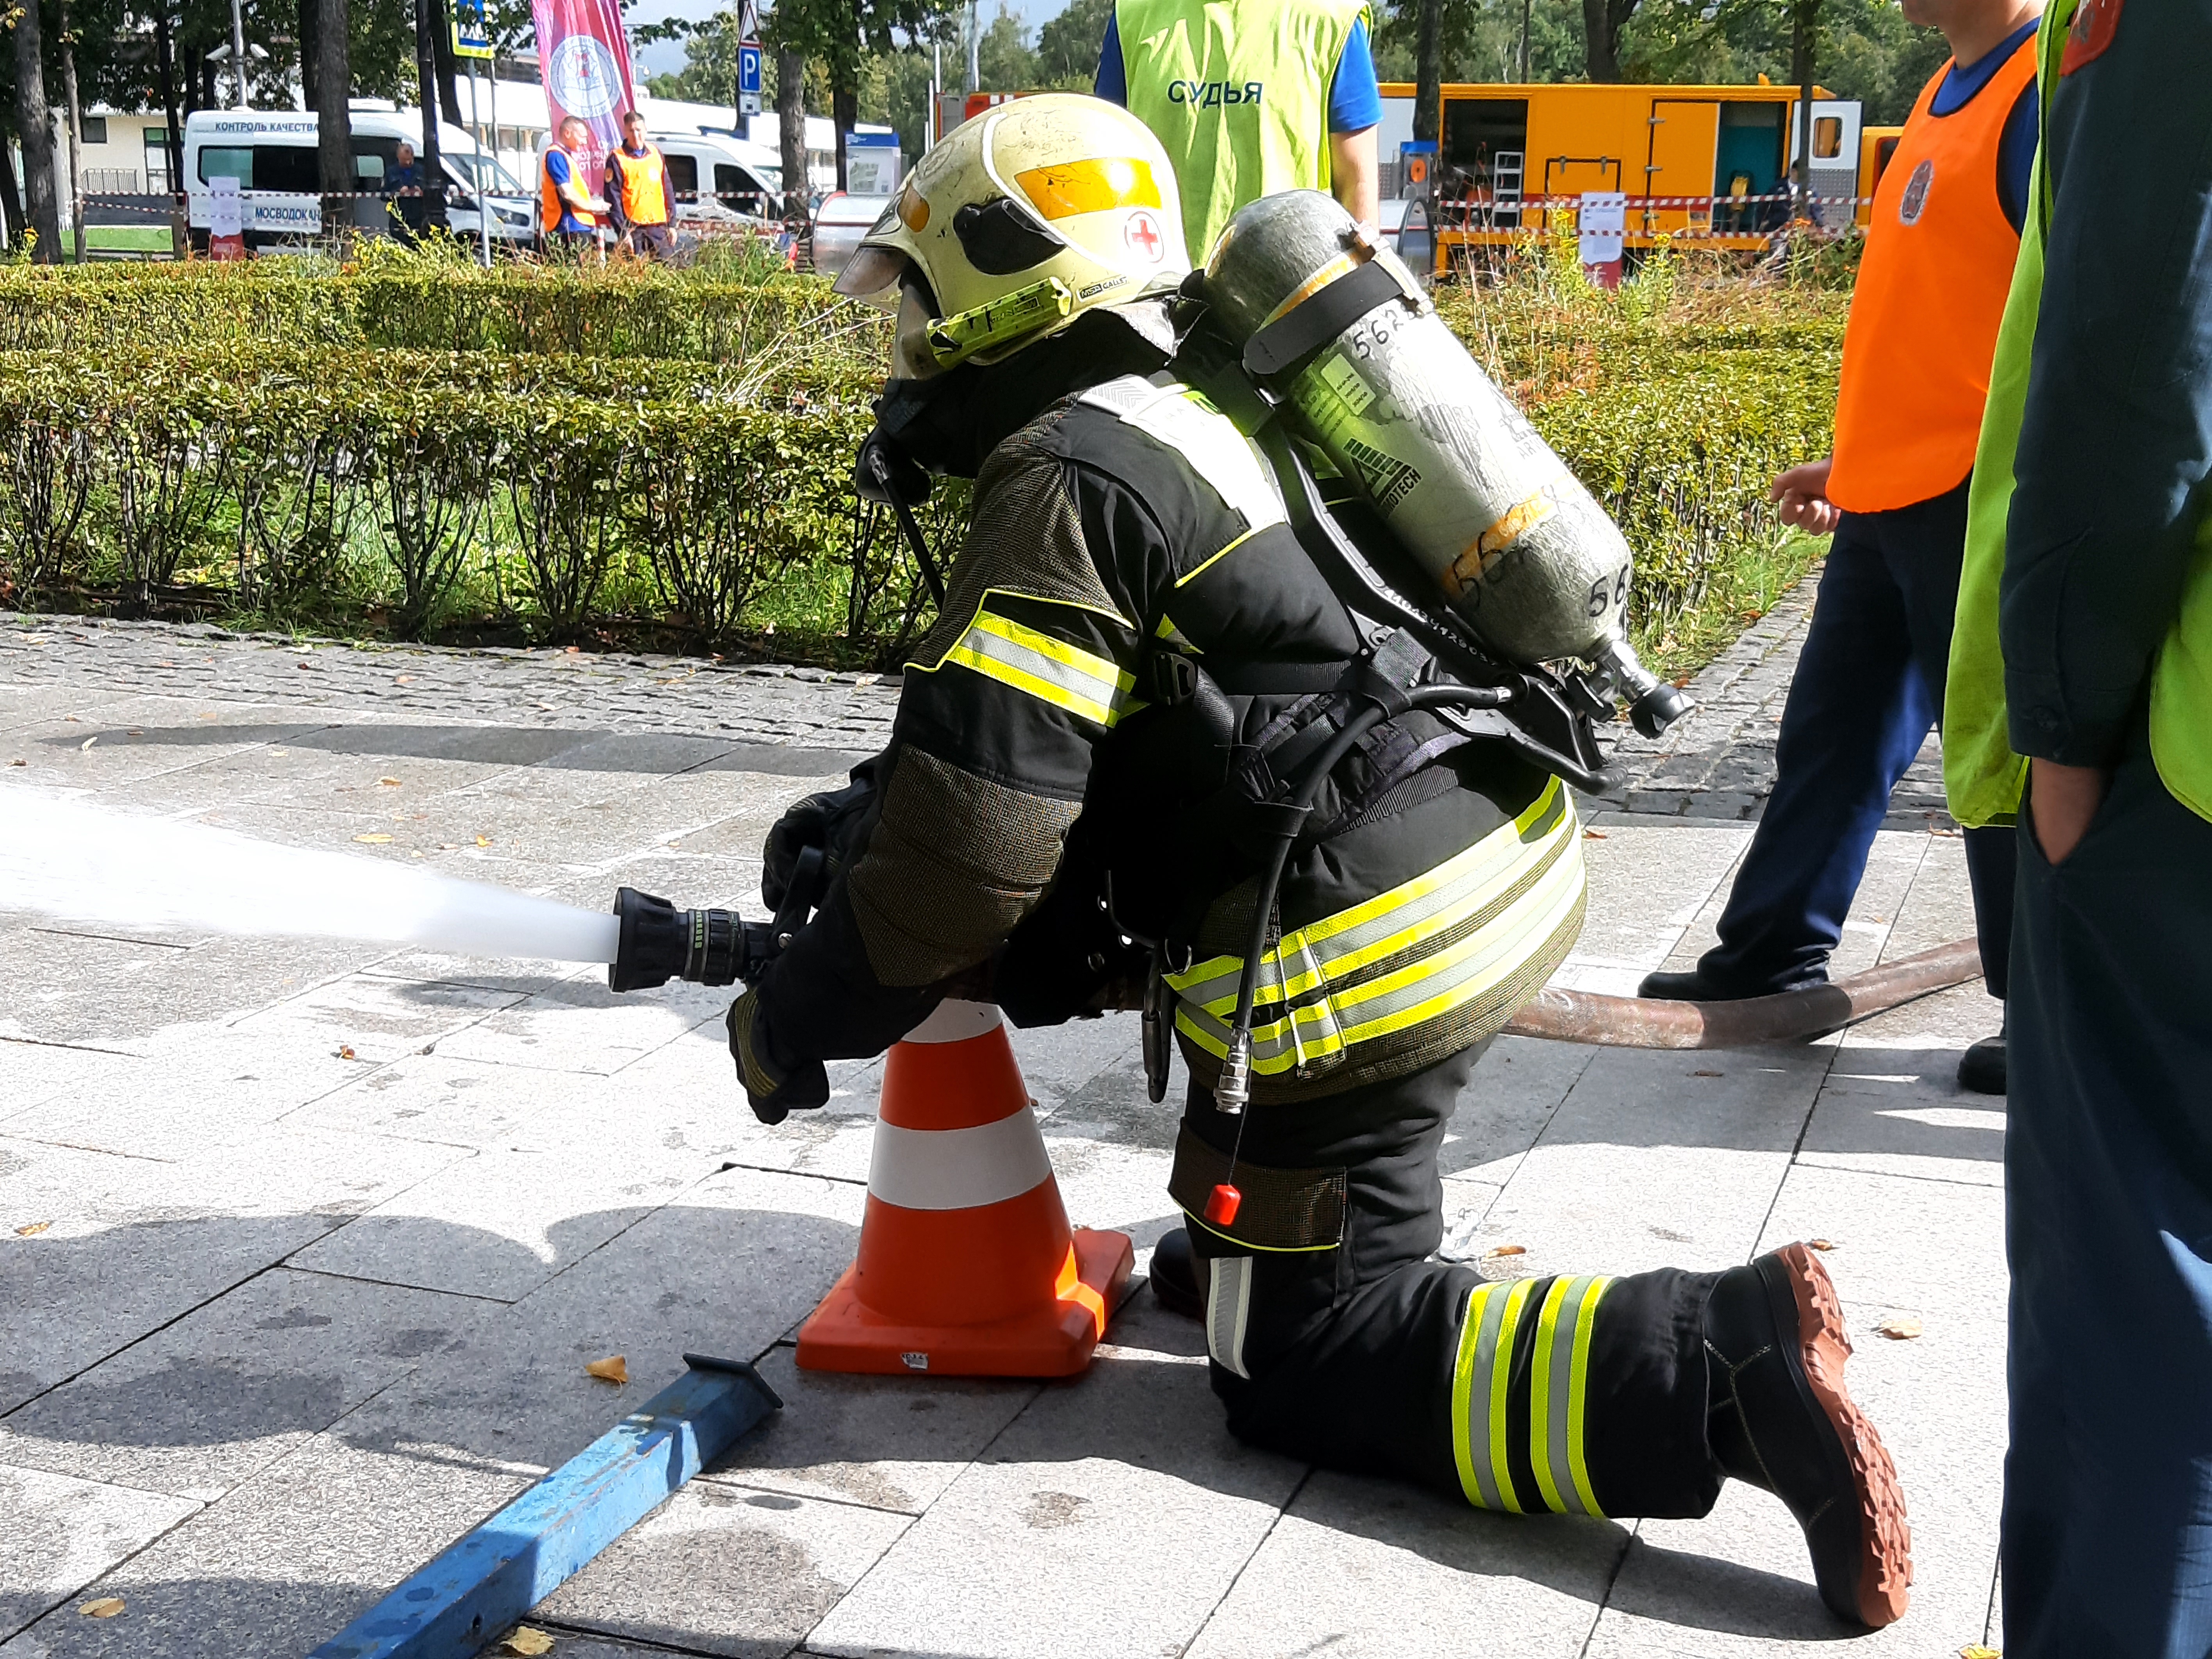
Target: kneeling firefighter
(1147,707)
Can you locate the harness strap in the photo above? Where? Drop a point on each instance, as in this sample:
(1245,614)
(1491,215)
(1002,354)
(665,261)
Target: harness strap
(1320,316)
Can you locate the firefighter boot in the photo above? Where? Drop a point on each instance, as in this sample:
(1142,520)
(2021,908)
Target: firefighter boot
(1778,1415)
(1175,1275)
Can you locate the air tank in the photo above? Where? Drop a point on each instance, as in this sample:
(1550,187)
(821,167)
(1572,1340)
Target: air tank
(1522,552)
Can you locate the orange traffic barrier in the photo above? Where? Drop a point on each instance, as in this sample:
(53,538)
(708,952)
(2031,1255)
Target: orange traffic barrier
(967,1264)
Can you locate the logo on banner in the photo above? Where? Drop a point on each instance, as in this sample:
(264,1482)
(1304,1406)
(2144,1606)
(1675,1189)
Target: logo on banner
(585,77)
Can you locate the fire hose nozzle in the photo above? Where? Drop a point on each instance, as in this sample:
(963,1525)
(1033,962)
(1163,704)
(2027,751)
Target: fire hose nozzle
(657,943)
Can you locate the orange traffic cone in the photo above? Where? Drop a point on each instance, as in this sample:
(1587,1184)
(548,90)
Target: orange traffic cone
(967,1264)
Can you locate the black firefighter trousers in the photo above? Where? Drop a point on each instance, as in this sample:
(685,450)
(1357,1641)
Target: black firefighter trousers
(1568,1394)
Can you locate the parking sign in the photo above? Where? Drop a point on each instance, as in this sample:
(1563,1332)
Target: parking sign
(749,77)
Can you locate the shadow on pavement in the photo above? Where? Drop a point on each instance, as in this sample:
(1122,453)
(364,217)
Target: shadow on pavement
(583,751)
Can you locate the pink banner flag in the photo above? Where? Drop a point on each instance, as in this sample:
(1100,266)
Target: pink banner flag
(584,57)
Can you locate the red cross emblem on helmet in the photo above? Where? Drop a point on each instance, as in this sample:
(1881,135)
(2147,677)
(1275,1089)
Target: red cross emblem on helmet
(1141,235)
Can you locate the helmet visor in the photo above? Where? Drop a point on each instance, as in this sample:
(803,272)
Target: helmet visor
(872,274)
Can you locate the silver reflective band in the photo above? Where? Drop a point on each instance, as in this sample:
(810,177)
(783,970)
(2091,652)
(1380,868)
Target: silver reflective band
(1228,1307)
(958,1169)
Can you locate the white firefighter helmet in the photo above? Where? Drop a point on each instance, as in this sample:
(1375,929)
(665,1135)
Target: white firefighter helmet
(1019,222)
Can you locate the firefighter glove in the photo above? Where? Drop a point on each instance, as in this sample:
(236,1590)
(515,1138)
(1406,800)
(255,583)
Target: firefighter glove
(774,1091)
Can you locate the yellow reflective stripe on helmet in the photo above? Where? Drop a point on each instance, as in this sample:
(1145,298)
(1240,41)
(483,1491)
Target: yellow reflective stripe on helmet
(1418,991)
(1557,1392)
(1186,423)
(1065,676)
(1091,186)
(1340,944)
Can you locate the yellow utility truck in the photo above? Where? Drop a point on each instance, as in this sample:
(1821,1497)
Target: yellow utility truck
(1712,164)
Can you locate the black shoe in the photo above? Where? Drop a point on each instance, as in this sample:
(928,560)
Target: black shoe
(1175,1275)
(1982,1067)
(1778,1416)
(1689,987)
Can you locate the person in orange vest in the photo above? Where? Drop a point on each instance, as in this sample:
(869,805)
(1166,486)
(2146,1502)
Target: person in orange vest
(569,216)
(1938,262)
(637,190)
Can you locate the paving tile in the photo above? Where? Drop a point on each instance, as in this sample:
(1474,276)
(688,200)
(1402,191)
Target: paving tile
(688,1089)
(378,1019)
(33,1073)
(283,1562)
(736,1263)
(720,1570)
(502,1220)
(1939,908)
(1516,1086)
(1634,921)
(891,1443)
(63,1533)
(1658,1159)
(1126,1477)
(137,1244)
(580,1025)
(1359,1567)
(1933,1248)
(1893,863)
(1900,1111)
(200,1407)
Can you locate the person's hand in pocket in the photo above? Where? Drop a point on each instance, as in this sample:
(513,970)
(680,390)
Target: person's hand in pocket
(2064,800)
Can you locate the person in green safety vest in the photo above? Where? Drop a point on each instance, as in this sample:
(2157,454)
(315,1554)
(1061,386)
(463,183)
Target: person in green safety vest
(2079,706)
(1284,100)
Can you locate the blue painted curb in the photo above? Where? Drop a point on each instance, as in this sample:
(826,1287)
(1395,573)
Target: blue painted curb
(513,1561)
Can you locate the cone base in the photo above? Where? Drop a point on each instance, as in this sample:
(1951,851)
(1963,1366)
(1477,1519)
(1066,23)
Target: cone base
(1054,1340)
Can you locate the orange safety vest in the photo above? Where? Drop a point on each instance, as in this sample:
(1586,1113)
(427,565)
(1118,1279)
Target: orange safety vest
(1930,293)
(550,206)
(644,186)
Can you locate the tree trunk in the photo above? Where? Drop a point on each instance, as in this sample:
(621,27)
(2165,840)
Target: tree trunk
(76,129)
(844,111)
(441,40)
(1601,41)
(333,120)
(11,200)
(433,166)
(306,26)
(34,124)
(1429,73)
(165,63)
(791,123)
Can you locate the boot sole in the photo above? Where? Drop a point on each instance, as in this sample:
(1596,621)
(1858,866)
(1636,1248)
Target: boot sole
(1885,1568)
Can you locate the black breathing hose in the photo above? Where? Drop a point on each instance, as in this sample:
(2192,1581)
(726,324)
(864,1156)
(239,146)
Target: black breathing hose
(1233,1089)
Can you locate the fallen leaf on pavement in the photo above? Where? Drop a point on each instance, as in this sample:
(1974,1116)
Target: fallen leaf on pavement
(613,1368)
(19,762)
(106,1608)
(1594,834)
(389,783)
(1708,1074)
(1505,1249)
(524,1640)
(1900,1328)
(1820,1243)
(376,840)
(89,741)
(345,1051)
(34,1229)
(1975,1650)
(483,840)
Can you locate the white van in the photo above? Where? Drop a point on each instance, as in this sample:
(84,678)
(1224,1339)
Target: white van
(271,154)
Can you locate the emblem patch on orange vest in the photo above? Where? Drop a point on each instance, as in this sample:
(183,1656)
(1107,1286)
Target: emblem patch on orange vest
(2090,33)
(1916,192)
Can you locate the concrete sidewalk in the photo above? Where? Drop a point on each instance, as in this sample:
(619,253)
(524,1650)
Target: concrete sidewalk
(304,1245)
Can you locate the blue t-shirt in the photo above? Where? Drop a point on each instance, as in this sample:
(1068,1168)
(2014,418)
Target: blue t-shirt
(558,169)
(1355,103)
(2016,144)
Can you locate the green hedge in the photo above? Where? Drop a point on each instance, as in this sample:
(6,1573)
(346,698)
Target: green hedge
(373,449)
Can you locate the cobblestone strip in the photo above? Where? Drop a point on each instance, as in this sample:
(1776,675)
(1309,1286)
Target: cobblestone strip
(808,708)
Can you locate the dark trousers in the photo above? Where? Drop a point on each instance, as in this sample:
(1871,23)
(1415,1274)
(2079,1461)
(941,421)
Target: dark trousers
(1868,687)
(2107,1533)
(1370,1358)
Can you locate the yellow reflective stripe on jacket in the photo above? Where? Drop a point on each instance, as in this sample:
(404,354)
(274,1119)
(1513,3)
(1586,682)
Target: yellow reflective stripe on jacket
(1065,676)
(1186,423)
(1422,989)
(1338,946)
